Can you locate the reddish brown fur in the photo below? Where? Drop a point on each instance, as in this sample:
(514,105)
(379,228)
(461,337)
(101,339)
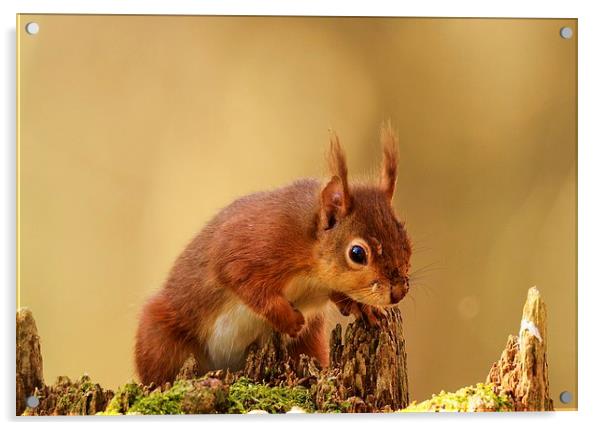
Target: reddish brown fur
(255,247)
(312,342)
(338,167)
(389,142)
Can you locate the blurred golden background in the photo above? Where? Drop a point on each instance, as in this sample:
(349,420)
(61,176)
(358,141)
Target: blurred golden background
(135,130)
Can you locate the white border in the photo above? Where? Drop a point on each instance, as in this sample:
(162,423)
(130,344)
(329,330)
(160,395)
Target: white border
(590,213)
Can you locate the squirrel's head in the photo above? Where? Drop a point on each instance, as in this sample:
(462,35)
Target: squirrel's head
(364,250)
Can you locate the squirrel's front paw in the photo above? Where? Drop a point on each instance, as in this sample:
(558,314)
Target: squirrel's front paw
(296,324)
(372,314)
(285,318)
(348,306)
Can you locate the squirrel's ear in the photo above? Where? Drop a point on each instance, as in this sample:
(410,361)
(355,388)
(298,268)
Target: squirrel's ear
(388,175)
(334,203)
(337,162)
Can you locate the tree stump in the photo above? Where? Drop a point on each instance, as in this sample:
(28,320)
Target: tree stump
(522,370)
(271,363)
(367,372)
(67,397)
(371,362)
(29,359)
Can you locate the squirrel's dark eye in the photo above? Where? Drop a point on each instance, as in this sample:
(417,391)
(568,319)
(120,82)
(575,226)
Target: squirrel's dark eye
(357,254)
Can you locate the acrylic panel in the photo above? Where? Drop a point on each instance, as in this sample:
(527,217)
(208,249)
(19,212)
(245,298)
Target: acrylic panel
(443,153)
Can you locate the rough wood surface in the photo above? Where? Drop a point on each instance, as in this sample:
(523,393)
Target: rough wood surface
(29,374)
(367,372)
(66,397)
(370,363)
(522,370)
(270,363)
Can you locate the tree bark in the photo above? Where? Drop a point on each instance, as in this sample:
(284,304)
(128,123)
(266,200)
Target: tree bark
(29,359)
(367,372)
(66,397)
(370,363)
(522,370)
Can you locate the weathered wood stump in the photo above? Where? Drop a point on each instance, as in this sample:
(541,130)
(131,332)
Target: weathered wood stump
(522,370)
(67,397)
(29,359)
(370,363)
(367,372)
(271,363)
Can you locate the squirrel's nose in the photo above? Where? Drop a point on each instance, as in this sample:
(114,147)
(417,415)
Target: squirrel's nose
(399,291)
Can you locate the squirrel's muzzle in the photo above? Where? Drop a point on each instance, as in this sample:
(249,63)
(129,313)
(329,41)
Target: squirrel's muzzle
(398,291)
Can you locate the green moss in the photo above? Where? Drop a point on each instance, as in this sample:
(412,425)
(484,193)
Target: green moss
(245,396)
(124,398)
(208,396)
(168,402)
(329,402)
(481,397)
(64,404)
(131,399)
(195,396)
(333,407)
(73,397)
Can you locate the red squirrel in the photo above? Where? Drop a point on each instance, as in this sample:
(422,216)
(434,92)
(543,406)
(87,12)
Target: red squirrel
(272,261)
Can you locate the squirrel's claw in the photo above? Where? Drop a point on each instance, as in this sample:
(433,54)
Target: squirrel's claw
(347,306)
(297,324)
(371,314)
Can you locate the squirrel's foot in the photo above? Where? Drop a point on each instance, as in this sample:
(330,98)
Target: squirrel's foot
(371,314)
(347,306)
(286,319)
(296,325)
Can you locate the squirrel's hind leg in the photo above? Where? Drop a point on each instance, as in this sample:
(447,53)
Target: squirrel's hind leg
(311,341)
(162,346)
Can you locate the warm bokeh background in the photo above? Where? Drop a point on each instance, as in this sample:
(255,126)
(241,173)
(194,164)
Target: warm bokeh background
(135,130)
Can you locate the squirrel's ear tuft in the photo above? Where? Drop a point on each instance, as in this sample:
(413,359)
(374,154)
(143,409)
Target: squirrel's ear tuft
(334,203)
(337,162)
(388,175)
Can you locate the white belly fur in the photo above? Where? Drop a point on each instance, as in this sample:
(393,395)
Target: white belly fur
(234,330)
(237,326)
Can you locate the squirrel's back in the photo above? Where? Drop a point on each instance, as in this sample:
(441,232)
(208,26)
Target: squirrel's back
(253,232)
